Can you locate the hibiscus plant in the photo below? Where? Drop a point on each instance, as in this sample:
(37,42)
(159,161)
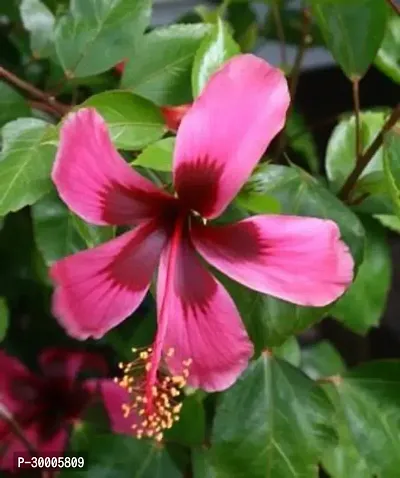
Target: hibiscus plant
(177,241)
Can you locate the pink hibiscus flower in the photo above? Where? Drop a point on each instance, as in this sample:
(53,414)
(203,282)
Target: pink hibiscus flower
(219,142)
(43,406)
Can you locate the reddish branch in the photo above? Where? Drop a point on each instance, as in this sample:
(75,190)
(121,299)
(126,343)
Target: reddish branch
(395,6)
(364,160)
(57,107)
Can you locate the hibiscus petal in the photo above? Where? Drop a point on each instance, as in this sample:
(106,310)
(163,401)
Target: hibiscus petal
(98,288)
(95,181)
(298,259)
(203,323)
(14,446)
(15,381)
(65,363)
(114,397)
(228,128)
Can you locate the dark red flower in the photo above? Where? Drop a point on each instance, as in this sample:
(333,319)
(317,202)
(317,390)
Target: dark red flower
(119,67)
(173,115)
(44,405)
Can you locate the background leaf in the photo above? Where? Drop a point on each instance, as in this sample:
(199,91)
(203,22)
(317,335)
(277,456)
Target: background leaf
(321,360)
(121,456)
(341,156)
(275,418)
(363,304)
(12,104)
(191,428)
(368,396)
(343,460)
(4,316)
(301,194)
(302,141)
(134,122)
(391,164)
(388,57)
(161,69)
(353,31)
(213,52)
(59,232)
(157,156)
(25,167)
(39,21)
(289,351)
(97,34)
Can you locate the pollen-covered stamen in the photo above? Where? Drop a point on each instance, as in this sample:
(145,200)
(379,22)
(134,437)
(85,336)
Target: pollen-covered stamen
(155,409)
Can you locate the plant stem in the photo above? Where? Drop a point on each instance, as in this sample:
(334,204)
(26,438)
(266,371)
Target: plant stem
(295,73)
(364,159)
(394,5)
(305,41)
(280,31)
(356,100)
(15,428)
(60,108)
(38,105)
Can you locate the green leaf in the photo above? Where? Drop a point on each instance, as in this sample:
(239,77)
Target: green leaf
(191,427)
(258,203)
(363,304)
(12,104)
(97,34)
(302,141)
(39,21)
(388,57)
(273,320)
(203,467)
(353,31)
(134,122)
(59,233)
(391,166)
(273,422)
(301,194)
(321,360)
(4,317)
(243,19)
(289,351)
(55,234)
(341,152)
(391,222)
(343,460)
(157,156)
(25,167)
(369,396)
(269,321)
(92,235)
(12,130)
(213,52)
(122,456)
(160,70)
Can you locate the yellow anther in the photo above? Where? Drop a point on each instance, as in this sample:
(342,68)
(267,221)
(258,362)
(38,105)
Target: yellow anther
(159,437)
(170,352)
(144,355)
(177,408)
